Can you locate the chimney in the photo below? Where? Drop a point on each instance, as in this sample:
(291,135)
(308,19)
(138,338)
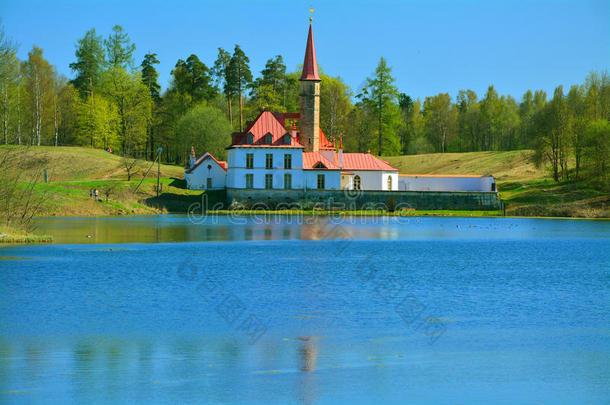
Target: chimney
(340,152)
(309,98)
(192,159)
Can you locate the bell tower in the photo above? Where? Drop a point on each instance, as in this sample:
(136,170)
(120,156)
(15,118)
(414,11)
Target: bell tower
(309,98)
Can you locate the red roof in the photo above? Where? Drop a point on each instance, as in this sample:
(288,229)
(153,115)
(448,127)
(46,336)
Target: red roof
(311,159)
(205,157)
(364,161)
(351,161)
(265,123)
(310,64)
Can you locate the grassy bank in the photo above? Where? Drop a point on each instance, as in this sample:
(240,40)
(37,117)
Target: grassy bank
(12,235)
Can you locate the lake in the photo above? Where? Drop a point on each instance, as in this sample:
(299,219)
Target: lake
(313,310)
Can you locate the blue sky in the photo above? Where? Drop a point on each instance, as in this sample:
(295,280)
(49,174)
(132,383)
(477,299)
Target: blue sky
(432,46)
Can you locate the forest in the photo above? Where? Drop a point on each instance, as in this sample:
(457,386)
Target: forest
(114,102)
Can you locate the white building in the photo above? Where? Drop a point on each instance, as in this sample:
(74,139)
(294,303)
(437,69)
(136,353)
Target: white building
(205,173)
(446,182)
(268,155)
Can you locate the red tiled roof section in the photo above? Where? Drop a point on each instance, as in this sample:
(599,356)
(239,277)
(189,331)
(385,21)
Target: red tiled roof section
(265,123)
(364,161)
(311,159)
(310,64)
(325,143)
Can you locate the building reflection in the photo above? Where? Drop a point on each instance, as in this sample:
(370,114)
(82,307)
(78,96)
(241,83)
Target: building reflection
(308,356)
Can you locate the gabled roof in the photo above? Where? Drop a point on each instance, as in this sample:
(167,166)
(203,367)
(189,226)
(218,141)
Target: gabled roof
(203,158)
(311,159)
(310,64)
(364,161)
(265,123)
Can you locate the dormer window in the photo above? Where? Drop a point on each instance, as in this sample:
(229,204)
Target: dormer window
(250,139)
(287,139)
(268,139)
(319,165)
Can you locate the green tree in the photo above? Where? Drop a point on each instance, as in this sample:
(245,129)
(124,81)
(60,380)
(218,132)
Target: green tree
(469,120)
(119,49)
(269,90)
(597,150)
(67,106)
(133,104)
(220,72)
(150,78)
(206,129)
(552,129)
(97,123)
(39,77)
(9,83)
(440,118)
(90,63)
(192,77)
(239,77)
(381,94)
(335,105)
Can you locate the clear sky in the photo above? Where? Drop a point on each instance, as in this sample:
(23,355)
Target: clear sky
(432,46)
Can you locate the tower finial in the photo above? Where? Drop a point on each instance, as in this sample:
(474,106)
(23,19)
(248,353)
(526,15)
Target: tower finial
(310,15)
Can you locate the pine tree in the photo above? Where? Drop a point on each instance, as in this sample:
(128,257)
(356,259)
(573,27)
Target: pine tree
(90,61)
(381,94)
(238,78)
(119,49)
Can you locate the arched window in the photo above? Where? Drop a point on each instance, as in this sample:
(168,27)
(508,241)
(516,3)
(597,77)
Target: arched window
(268,139)
(357,183)
(389,183)
(287,139)
(250,139)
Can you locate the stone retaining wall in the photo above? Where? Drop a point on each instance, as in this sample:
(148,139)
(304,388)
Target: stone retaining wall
(350,200)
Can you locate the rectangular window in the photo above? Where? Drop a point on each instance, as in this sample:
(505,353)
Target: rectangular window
(288,161)
(268,181)
(249,160)
(321,184)
(208,184)
(288,181)
(249,180)
(269,161)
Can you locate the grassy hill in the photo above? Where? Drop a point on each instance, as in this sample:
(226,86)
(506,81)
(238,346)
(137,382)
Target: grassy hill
(73,171)
(525,189)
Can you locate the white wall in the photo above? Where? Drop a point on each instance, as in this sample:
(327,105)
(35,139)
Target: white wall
(197,179)
(376,179)
(421,183)
(237,167)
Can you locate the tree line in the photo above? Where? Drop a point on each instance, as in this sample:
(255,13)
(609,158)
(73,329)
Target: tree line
(112,102)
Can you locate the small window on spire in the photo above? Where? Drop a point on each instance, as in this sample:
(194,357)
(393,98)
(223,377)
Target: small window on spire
(250,139)
(287,139)
(268,139)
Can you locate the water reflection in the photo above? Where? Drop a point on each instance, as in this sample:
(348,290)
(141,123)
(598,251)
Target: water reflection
(178,228)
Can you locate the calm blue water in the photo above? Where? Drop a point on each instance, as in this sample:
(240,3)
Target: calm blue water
(418,310)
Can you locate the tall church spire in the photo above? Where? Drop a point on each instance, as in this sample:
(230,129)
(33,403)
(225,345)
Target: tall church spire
(310,64)
(309,98)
